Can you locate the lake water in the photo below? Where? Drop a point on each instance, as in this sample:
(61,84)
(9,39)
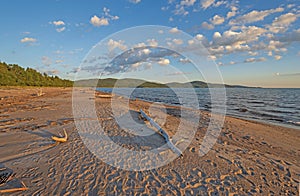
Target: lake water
(279,106)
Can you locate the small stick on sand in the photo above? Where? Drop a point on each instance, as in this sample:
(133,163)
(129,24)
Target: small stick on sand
(162,132)
(61,139)
(15,189)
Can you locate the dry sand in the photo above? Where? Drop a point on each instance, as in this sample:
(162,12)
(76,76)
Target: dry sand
(249,158)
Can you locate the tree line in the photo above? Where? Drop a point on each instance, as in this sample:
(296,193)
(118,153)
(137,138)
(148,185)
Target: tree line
(15,75)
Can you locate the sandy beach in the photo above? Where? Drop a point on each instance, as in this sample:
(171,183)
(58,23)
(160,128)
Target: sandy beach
(249,158)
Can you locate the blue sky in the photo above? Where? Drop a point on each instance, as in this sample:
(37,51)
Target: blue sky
(252,42)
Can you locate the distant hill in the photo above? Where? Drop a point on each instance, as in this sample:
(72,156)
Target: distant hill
(14,75)
(133,83)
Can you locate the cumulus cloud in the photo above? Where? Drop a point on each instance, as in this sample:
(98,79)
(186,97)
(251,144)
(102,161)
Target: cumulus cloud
(163,62)
(254,16)
(104,20)
(252,60)
(187,2)
(246,35)
(180,8)
(177,41)
(97,22)
(133,59)
(277,57)
(282,23)
(60,29)
(58,23)
(152,42)
(184,60)
(206,3)
(232,13)
(174,30)
(28,40)
(112,44)
(208,26)
(217,20)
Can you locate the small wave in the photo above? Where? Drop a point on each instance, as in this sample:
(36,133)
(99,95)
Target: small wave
(293,122)
(280,111)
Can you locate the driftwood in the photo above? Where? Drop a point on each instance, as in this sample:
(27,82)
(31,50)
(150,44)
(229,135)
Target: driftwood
(162,132)
(61,139)
(104,96)
(10,190)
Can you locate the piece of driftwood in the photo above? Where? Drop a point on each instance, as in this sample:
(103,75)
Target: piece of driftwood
(61,139)
(162,132)
(10,190)
(104,96)
(13,190)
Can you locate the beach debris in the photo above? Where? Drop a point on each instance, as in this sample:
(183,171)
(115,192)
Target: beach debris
(10,190)
(7,183)
(5,175)
(61,139)
(162,132)
(104,96)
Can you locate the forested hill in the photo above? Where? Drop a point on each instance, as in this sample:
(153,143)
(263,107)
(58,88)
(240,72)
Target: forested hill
(14,75)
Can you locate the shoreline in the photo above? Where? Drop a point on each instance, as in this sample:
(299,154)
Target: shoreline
(284,125)
(248,157)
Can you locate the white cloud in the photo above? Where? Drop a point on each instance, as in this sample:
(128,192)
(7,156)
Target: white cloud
(112,44)
(184,61)
(28,40)
(187,2)
(246,35)
(61,29)
(217,35)
(163,61)
(180,10)
(207,3)
(174,30)
(104,20)
(212,58)
(199,37)
(97,22)
(217,20)
(146,51)
(252,60)
(252,53)
(232,13)
(217,50)
(254,16)
(282,23)
(277,57)
(208,26)
(58,23)
(152,42)
(177,41)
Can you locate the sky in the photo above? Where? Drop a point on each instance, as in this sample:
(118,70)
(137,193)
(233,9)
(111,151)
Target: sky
(254,43)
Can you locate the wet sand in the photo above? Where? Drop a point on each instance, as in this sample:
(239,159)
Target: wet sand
(249,158)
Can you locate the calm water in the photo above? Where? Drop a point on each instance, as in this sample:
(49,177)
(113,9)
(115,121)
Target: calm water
(280,106)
